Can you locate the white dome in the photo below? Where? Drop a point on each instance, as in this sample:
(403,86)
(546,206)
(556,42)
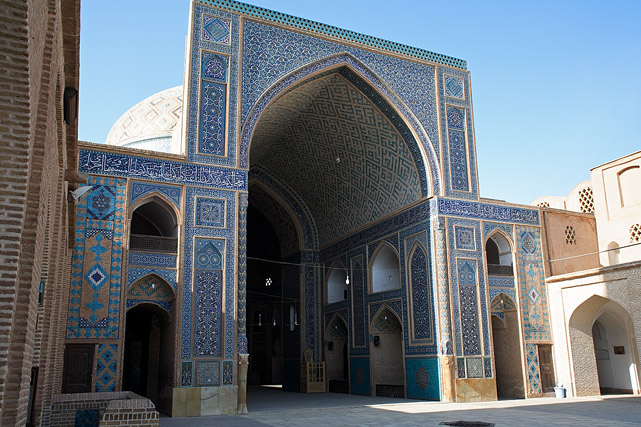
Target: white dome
(152,124)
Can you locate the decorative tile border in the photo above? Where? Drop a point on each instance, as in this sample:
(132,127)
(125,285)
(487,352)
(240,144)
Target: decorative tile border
(112,164)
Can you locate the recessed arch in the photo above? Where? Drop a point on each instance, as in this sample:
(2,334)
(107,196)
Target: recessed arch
(507,347)
(385,268)
(387,354)
(336,282)
(614,321)
(391,104)
(151,289)
(499,254)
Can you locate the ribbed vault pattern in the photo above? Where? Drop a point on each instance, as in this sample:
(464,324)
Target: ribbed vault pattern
(331,145)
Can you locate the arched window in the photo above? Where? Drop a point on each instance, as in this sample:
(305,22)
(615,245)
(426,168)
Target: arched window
(386,271)
(629,180)
(336,285)
(154,228)
(498,253)
(613,253)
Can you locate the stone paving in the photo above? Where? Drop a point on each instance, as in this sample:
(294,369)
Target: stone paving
(331,409)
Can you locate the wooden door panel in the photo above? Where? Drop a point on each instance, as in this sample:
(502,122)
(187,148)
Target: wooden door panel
(78,367)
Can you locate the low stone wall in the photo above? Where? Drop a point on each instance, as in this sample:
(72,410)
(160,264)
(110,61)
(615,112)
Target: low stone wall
(101,409)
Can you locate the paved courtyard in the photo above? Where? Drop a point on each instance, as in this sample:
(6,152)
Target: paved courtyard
(278,408)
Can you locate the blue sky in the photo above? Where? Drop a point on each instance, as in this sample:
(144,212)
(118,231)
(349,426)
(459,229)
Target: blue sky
(555,84)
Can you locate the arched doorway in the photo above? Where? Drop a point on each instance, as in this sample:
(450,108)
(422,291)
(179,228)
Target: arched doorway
(388,367)
(613,354)
(336,356)
(603,348)
(149,354)
(320,151)
(507,348)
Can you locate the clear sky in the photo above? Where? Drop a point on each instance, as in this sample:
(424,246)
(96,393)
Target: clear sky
(556,85)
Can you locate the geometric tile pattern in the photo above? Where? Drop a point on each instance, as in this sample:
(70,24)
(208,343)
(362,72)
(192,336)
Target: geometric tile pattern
(207,373)
(215,34)
(455,118)
(317,27)
(152,289)
(213,102)
(445,313)
(300,136)
(469,304)
(216,29)
(209,254)
(534,376)
(270,53)
(139,189)
(422,378)
(458,160)
(465,238)
(210,212)
(114,164)
(475,367)
(106,367)
(454,87)
(533,293)
(469,320)
(421,298)
(94,295)
(358,335)
(214,67)
(359,378)
(210,238)
(168,275)
(208,315)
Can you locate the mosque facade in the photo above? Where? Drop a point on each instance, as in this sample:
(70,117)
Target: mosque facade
(303,211)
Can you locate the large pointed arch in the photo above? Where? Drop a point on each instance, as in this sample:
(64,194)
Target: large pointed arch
(389,103)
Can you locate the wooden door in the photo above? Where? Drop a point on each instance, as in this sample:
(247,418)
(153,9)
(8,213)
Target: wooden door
(546,368)
(78,367)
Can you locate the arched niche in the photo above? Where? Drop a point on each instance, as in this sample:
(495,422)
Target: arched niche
(629,180)
(336,284)
(507,348)
(153,226)
(613,253)
(386,352)
(336,355)
(385,269)
(498,255)
(587,346)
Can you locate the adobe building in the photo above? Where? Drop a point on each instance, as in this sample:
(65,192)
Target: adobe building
(595,269)
(303,211)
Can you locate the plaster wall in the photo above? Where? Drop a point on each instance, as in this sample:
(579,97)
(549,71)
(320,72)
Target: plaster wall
(617,206)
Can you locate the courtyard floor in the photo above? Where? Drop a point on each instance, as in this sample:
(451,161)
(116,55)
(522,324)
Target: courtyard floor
(273,407)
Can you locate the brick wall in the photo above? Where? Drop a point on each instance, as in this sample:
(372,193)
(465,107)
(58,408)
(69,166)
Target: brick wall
(37,61)
(114,409)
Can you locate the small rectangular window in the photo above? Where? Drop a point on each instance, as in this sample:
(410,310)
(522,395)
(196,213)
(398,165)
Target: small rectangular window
(619,349)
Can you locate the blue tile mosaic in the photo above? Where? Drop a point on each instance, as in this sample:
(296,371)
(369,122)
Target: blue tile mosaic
(150,259)
(359,379)
(210,212)
(106,367)
(207,373)
(423,378)
(216,29)
(465,239)
(486,211)
(213,101)
(140,189)
(421,298)
(209,254)
(121,165)
(208,313)
(186,369)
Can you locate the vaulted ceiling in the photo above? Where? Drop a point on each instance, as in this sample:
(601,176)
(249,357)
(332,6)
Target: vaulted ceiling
(330,144)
